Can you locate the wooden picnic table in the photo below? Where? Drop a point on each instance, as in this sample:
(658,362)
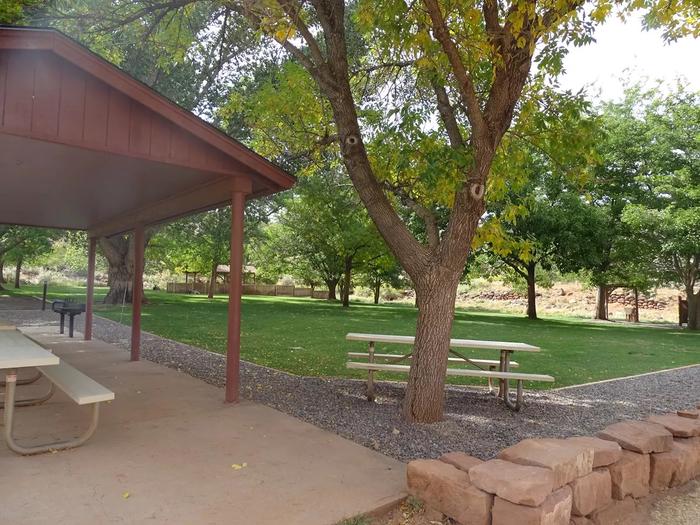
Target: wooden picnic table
(505,348)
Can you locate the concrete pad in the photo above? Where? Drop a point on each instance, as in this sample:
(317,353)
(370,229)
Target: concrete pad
(164,450)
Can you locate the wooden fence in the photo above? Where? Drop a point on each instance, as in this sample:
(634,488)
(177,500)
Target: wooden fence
(249,289)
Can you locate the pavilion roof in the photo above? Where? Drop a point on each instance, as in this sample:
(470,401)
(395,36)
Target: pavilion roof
(83,145)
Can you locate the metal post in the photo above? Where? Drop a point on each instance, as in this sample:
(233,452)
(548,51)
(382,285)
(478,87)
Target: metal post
(137,293)
(233,348)
(90,295)
(370,373)
(43,295)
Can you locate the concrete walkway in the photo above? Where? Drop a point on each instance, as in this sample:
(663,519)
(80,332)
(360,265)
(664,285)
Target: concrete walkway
(164,451)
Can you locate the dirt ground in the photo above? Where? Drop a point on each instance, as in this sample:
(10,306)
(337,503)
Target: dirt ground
(568,299)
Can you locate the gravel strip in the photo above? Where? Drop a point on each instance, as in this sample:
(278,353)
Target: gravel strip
(475,421)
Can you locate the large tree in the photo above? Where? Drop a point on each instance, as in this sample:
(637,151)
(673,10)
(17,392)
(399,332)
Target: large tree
(448,78)
(119,253)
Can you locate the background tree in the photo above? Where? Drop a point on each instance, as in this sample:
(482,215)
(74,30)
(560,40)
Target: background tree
(324,226)
(667,221)
(382,269)
(9,238)
(624,153)
(33,243)
(538,215)
(15,11)
(556,229)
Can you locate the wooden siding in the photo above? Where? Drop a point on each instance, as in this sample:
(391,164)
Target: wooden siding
(45,97)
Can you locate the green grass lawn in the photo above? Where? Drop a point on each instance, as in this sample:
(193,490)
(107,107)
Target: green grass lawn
(306,337)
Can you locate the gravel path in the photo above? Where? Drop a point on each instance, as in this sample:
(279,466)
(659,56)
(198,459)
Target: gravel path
(475,422)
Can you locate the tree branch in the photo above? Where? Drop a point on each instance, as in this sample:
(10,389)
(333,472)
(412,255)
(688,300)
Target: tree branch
(293,11)
(464,81)
(447,114)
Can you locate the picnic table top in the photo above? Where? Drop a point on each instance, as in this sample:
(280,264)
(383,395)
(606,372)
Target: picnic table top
(18,351)
(454,343)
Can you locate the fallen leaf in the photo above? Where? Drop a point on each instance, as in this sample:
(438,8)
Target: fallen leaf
(126,495)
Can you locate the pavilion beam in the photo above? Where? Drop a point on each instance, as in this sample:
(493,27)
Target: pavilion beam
(204,197)
(137,292)
(90,299)
(233,347)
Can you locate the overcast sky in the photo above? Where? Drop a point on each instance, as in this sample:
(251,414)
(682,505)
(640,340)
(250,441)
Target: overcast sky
(625,50)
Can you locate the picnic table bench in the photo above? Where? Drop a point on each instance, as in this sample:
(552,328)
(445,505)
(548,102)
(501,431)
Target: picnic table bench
(498,370)
(17,351)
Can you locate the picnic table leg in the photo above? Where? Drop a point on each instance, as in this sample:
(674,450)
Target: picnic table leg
(370,374)
(34,400)
(71,318)
(504,367)
(26,381)
(63,318)
(504,393)
(8,420)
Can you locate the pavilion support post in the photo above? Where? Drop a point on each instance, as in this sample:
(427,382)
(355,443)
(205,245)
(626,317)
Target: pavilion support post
(90,299)
(137,293)
(233,349)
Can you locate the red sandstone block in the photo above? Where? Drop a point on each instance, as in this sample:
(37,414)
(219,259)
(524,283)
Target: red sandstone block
(639,436)
(630,475)
(519,484)
(604,452)
(448,490)
(556,510)
(591,492)
(566,459)
(461,460)
(678,426)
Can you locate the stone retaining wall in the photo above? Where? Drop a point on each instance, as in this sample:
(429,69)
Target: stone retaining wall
(575,481)
(645,303)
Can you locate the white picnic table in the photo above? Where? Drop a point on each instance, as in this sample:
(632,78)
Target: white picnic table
(17,351)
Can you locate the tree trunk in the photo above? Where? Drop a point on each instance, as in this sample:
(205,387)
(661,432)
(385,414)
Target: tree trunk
(331,284)
(18,272)
(119,252)
(693,309)
(120,279)
(531,292)
(425,396)
(212,280)
(2,273)
(601,309)
(347,278)
(377,290)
